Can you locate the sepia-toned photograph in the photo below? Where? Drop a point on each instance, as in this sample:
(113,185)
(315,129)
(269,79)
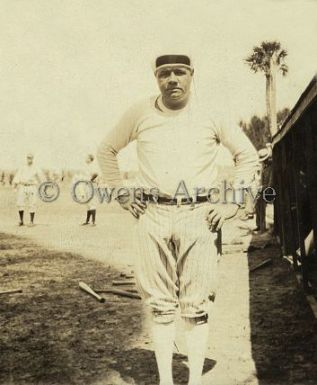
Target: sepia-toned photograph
(158,192)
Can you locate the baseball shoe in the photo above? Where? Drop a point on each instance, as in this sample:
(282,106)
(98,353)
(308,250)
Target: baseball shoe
(21,224)
(93,224)
(85,224)
(31,224)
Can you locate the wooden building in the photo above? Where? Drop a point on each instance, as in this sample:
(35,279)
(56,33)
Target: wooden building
(295,182)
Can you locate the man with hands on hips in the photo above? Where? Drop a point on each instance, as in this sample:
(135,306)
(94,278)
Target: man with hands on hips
(176,263)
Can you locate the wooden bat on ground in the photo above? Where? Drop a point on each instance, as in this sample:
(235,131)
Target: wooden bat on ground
(83,286)
(122,282)
(123,293)
(125,290)
(265,263)
(11,291)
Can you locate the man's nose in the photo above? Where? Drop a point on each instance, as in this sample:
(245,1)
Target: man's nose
(173,78)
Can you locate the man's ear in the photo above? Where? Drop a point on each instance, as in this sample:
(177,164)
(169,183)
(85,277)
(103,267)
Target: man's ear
(192,71)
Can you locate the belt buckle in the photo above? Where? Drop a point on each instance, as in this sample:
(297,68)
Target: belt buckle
(179,201)
(153,199)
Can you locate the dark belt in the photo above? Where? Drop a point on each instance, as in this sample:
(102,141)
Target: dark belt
(173,201)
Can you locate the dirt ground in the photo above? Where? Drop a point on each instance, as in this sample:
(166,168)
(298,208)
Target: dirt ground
(53,333)
(262,330)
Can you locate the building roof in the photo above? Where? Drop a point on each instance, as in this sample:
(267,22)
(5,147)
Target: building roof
(308,97)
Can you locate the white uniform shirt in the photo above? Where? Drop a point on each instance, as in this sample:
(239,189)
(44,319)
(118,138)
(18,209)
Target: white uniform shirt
(175,146)
(28,175)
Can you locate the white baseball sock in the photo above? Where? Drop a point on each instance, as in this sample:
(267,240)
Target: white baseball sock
(163,338)
(196,339)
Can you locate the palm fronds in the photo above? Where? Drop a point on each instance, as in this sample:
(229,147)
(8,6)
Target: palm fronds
(267,54)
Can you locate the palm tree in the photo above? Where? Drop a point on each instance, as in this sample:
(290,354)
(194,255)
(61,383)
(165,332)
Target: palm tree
(269,58)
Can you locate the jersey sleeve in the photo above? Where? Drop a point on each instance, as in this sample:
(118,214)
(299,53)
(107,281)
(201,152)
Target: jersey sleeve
(124,132)
(243,152)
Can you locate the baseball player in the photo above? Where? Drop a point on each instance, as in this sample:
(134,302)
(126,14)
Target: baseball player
(90,173)
(177,145)
(26,181)
(265,159)
(252,196)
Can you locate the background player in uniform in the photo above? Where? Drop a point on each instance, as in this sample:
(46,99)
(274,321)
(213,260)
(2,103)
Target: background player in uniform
(265,159)
(90,173)
(26,181)
(176,264)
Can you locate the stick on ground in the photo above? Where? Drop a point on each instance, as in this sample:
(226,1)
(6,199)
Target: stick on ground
(123,293)
(265,263)
(122,282)
(11,291)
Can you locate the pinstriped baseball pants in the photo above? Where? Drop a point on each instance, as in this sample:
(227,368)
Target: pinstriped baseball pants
(26,198)
(177,260)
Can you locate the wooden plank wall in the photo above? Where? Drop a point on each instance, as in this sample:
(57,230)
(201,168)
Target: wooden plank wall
(295,181)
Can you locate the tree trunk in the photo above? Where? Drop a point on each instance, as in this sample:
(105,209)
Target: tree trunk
(268,98)
(271,103)
(271,97)
(273,127)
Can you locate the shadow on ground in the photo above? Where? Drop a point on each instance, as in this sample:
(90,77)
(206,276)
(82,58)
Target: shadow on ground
(132,367)
(283,329)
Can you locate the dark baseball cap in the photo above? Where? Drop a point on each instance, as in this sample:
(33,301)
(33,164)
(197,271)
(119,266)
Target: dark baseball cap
(171,60)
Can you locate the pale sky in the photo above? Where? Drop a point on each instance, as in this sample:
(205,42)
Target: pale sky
(70,68)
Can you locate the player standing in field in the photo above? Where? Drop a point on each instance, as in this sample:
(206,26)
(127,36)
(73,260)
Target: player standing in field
(26,180)
(177,142)
(90,174)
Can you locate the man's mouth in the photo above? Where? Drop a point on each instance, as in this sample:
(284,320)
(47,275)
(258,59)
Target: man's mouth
(174,90)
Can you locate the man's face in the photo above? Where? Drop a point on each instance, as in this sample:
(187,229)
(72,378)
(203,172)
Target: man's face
(29,160)
(174,83)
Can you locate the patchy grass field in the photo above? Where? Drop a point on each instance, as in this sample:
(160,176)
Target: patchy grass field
(53,333)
